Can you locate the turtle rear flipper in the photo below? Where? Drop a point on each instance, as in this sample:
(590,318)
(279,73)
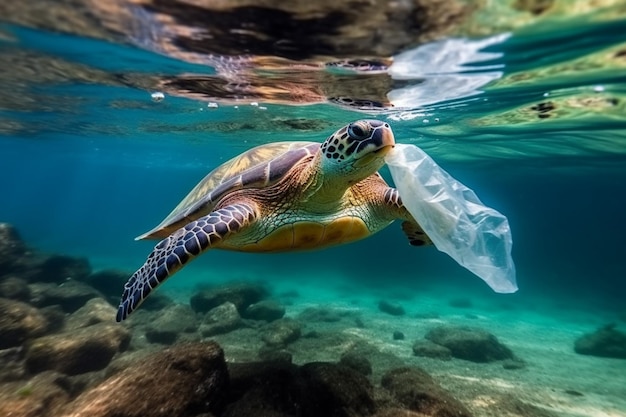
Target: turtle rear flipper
(417,237)
(173,252)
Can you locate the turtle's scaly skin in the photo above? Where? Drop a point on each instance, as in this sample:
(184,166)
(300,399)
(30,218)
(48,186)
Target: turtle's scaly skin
(280,197)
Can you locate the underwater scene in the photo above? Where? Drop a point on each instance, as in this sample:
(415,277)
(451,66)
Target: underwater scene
(417,208)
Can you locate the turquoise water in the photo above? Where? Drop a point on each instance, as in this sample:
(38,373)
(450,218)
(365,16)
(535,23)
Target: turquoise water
(93,165)
(88,161)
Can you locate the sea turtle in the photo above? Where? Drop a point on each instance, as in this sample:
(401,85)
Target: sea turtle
(282,196)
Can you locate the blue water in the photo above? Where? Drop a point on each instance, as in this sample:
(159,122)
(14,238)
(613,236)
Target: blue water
(93,165)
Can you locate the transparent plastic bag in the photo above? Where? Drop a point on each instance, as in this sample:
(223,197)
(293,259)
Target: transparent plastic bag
(476,236)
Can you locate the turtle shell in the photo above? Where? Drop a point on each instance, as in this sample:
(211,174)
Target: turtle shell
(258,167)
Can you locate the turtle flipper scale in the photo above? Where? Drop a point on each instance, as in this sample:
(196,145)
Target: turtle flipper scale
(173,252)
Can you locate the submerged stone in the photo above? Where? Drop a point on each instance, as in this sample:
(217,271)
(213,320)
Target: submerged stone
(222,319)
(605,342)
(470,343)
(60,268)
(11,247)
(169,323)
(241,295)
(44,395)
(312,390)
(95,311)
(281,332)
(429,349)
(416,390)
(19,322)
(185,380)
(78,351)
(70,295)
(14,288)
(267,310)
(388,307)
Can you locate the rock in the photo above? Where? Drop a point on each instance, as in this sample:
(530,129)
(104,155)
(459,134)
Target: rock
(268,310)
(607,342)
(398,335)
(512,364)
(169,323)
(263,389)
(11,247)
(417,391)
(320,315)
(109,282)
(70,295)
(271,354)
(95,311)
(391,308)
(14,288)
(55,316)
(336,390)
(60,268)
(79,351)
(19,322)
(222,319)
(157,301)
(313,390)
(12,364)
(42,396)
(281,332)
(241,295)
(356,361)
(185,380)
(470,343)
(430,349)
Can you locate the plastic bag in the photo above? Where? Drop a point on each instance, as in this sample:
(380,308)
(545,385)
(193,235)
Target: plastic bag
(476,236)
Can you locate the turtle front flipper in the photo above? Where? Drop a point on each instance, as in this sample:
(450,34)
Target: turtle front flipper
(173,252)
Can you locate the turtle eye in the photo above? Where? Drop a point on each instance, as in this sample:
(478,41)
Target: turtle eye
(358,131)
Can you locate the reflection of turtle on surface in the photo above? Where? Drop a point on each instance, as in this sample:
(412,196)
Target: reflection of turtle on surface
(282,196)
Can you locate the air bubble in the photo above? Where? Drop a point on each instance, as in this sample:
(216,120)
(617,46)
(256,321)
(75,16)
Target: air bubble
(157,96)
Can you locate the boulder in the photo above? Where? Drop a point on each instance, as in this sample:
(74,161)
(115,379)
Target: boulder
(19,322)
(281,332)
(429,349)
(241,295)
(60,268)
(222,319)
(356,361)
(185,380)
(416,390)
(281,389)
(388,307)
(70,295)
(79,351)
(109,282)
(320,315)
(470,343)
(14,288)
(96,310)
(44,395)
(12,364)
(336,390)
(11,247)
(267,310)
(169,323)
(607,342)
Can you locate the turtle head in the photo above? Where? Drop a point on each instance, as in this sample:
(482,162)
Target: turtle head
(357,150)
